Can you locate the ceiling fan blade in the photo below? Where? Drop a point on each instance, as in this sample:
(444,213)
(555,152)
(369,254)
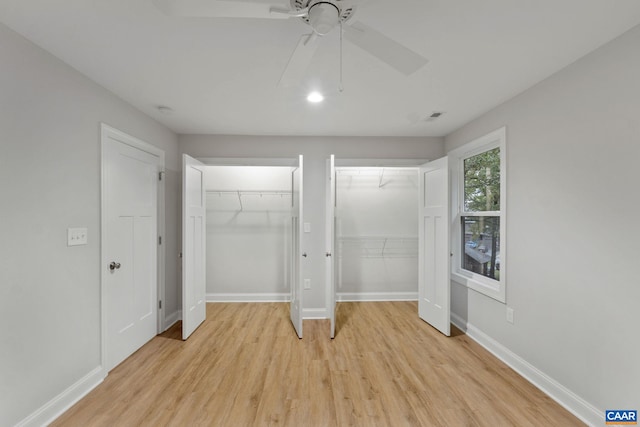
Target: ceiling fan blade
(221,9)
(300,60)
(382,47)
(289,13)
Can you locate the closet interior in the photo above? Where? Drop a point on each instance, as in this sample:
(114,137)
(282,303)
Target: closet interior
(376,233)
(248,227)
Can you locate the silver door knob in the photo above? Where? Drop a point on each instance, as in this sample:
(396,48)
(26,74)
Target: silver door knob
(304,254)
(328,254)
(114,265)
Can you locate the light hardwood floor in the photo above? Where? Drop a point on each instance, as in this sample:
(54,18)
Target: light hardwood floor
(245,367)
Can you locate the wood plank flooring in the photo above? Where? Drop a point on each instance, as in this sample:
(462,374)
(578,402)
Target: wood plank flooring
(245,367)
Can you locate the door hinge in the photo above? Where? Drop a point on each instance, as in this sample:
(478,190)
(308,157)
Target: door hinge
(160,304)
(160,174)
(159,240)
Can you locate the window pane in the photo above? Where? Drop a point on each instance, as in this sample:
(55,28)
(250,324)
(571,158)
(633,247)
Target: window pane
(481,243)
(482,182)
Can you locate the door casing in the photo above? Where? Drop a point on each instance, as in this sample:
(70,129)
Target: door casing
(336,163)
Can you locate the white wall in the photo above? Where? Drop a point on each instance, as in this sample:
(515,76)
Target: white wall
(50,180)
(377,211)
(246,244)
(315,150)
(573,144)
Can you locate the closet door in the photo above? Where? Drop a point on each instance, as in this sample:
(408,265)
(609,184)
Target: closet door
(296,248)
(193,246)
(433,249)
(330,230)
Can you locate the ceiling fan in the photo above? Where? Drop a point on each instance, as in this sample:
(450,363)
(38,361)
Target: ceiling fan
(321,15)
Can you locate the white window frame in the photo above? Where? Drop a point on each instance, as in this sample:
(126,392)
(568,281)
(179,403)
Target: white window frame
(495,289)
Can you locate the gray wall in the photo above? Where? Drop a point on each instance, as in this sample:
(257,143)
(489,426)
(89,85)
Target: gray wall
(50,180)
(315,150)
(573,146)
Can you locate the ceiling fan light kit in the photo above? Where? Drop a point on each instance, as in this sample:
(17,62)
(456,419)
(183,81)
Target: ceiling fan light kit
(323,17)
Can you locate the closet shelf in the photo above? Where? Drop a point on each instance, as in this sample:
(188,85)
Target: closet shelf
(251,192)
(380,173)
(238,195)
(379,246)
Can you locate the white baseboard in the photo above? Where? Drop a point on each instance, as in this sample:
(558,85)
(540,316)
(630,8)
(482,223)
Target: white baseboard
(579,407)
(256,297)
(51,410)
(172,318)
(459,322)
(307,313)
(376,296)
(314,313)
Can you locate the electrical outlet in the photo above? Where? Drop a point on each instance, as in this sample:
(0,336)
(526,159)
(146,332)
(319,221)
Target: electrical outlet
(510,315)
(307,283)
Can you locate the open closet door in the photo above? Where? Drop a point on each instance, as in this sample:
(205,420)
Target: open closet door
(433,249)
(330,230)
(296,248)
(193,245)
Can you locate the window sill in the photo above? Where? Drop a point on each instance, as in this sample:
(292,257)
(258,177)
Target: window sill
(495,292)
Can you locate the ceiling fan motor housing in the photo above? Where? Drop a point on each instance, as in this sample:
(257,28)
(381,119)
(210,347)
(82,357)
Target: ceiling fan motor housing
(323,16)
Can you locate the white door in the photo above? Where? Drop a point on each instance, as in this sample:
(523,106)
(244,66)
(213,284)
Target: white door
(330,230)
(296,248)
(130,245)
(194,308)
(433,252)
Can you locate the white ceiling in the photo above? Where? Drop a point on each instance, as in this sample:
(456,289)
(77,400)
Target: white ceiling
(220,75)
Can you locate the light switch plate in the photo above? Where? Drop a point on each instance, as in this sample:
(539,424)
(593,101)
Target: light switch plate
(76,236)
(307,283)
(307,227)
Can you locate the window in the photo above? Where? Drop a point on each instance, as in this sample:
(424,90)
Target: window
(479,205)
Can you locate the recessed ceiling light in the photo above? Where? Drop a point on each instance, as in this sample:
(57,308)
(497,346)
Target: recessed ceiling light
(315,97)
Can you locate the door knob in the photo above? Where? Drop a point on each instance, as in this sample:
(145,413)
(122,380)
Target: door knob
(328,254)
(304,254)
(114,265)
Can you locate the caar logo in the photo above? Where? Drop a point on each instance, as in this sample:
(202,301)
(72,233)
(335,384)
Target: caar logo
(621,417)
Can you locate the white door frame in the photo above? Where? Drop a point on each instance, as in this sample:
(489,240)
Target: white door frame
(341,163)
(291,162)
(107,132)
(248,161)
